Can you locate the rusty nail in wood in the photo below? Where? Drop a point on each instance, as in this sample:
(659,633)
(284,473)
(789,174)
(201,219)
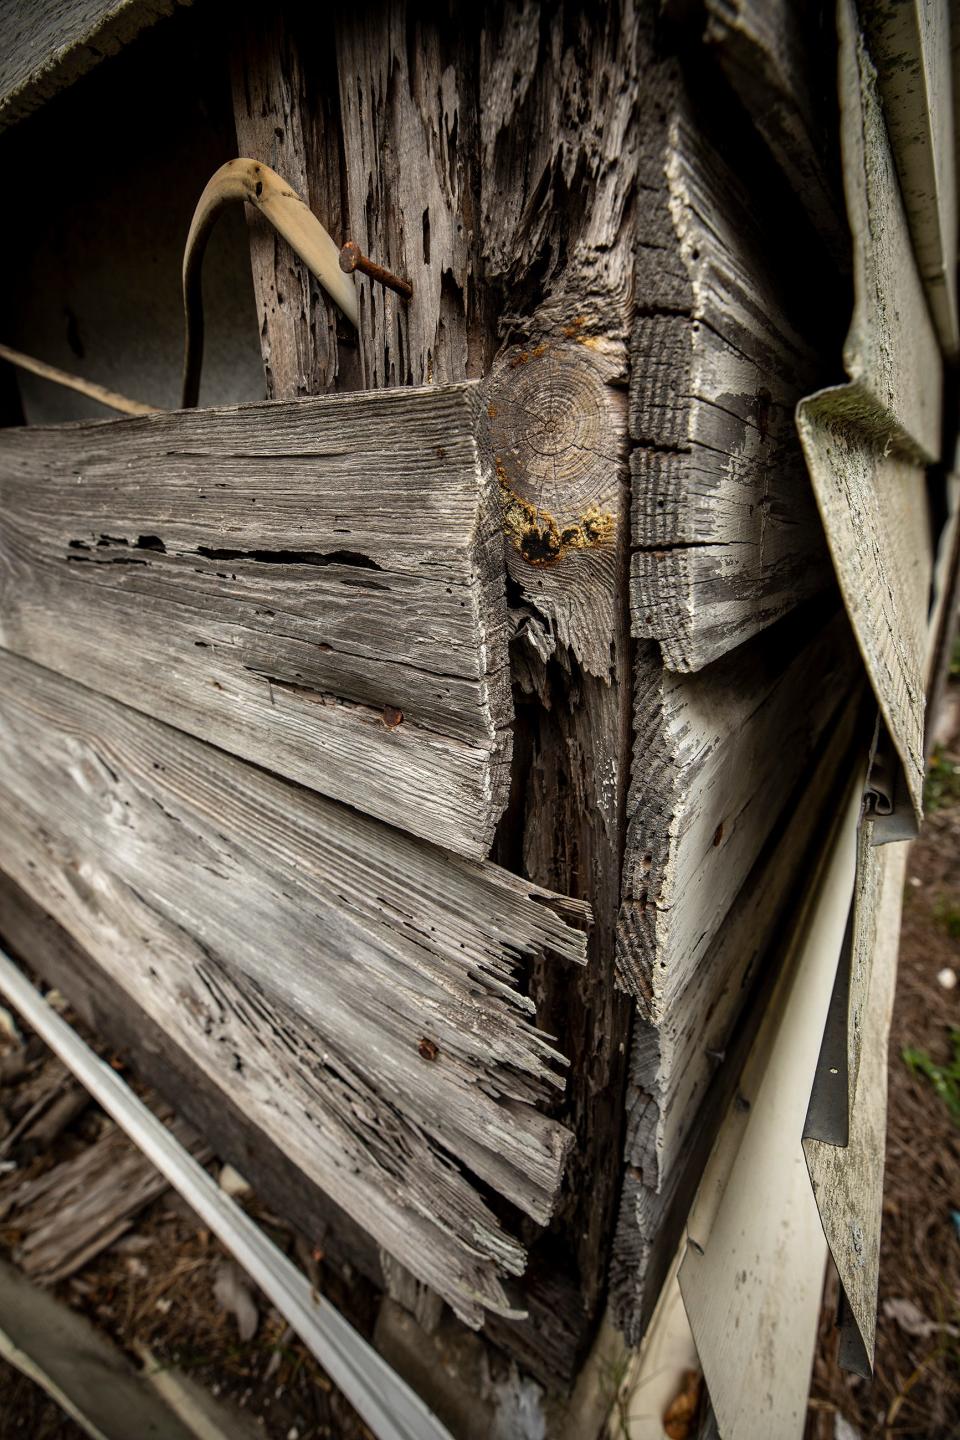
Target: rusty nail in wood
(352,258)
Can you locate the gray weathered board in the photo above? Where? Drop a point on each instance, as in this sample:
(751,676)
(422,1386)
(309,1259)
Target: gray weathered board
(316,586)
(725,532)
(867,443)
(47,44)
(910,45)
(716,754)
(683,1071)
(359,989)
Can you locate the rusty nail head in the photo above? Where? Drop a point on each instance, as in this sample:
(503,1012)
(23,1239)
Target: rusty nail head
(352,258)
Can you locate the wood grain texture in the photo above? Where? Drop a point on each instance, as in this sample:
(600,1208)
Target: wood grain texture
(715,756)
(683,1071)
(286,116)
(317,587)
(50,43)
(867,443)
(778,59)
(368,1005)
(724,528)
(82,1205)
(41,944)
(910,46)
(559,149)
(408,119)
(509,206)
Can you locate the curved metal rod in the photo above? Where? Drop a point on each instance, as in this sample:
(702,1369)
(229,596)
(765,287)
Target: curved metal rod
(90,388)
(259,185)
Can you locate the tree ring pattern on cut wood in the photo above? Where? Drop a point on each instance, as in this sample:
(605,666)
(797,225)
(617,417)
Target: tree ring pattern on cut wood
(550,442)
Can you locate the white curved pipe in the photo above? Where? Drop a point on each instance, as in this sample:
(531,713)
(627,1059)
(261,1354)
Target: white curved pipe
(256,183)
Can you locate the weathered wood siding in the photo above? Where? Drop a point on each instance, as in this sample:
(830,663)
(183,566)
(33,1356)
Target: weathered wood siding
(910,46)
(316,587)
(684,1070)
(359,988)
(868,443)
(716,754)
(778,56)
(725,533)
(47,44)
(39,942)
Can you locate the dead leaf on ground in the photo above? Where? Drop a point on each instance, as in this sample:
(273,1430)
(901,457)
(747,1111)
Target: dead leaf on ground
(232,1292)
(912,1320)
(681,1414)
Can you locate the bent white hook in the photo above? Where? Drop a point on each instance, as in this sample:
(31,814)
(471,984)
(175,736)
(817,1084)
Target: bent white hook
(259,185)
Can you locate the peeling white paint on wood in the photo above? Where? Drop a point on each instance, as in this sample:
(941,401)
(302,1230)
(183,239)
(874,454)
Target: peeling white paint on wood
(910,45)
(867,442)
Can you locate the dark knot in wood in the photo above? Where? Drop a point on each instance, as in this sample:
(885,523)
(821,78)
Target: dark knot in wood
(548,433)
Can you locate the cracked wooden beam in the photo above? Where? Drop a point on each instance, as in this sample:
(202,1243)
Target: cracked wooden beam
(317,587)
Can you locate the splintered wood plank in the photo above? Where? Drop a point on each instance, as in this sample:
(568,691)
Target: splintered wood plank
(560,143)
(725,532)
(683,1070)
(359,989)
(780,64)
(317,587)
(716,754)
(83,1205)
(867,442)
(47,44)
(504,191)
(43,946)
(910,46)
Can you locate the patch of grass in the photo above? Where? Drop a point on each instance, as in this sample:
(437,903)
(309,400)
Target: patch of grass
(947,913)
(942,785)
(945,1079)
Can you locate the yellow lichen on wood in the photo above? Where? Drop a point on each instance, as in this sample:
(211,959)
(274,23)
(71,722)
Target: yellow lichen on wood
(535,535)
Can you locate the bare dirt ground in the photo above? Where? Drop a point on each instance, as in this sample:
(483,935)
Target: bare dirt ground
(915,1393)
(157,1286)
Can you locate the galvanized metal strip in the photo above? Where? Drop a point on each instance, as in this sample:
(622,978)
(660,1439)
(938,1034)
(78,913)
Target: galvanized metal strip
(384,1401)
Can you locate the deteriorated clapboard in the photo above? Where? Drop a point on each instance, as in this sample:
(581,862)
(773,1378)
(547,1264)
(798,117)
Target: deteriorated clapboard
(867,443)
(715,756)
(683,1071)
(520,257)
(725,533)
(910,45)
(41,944)
(317,587)
(779,62)
(358,987)
(47,44)
(559,97)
